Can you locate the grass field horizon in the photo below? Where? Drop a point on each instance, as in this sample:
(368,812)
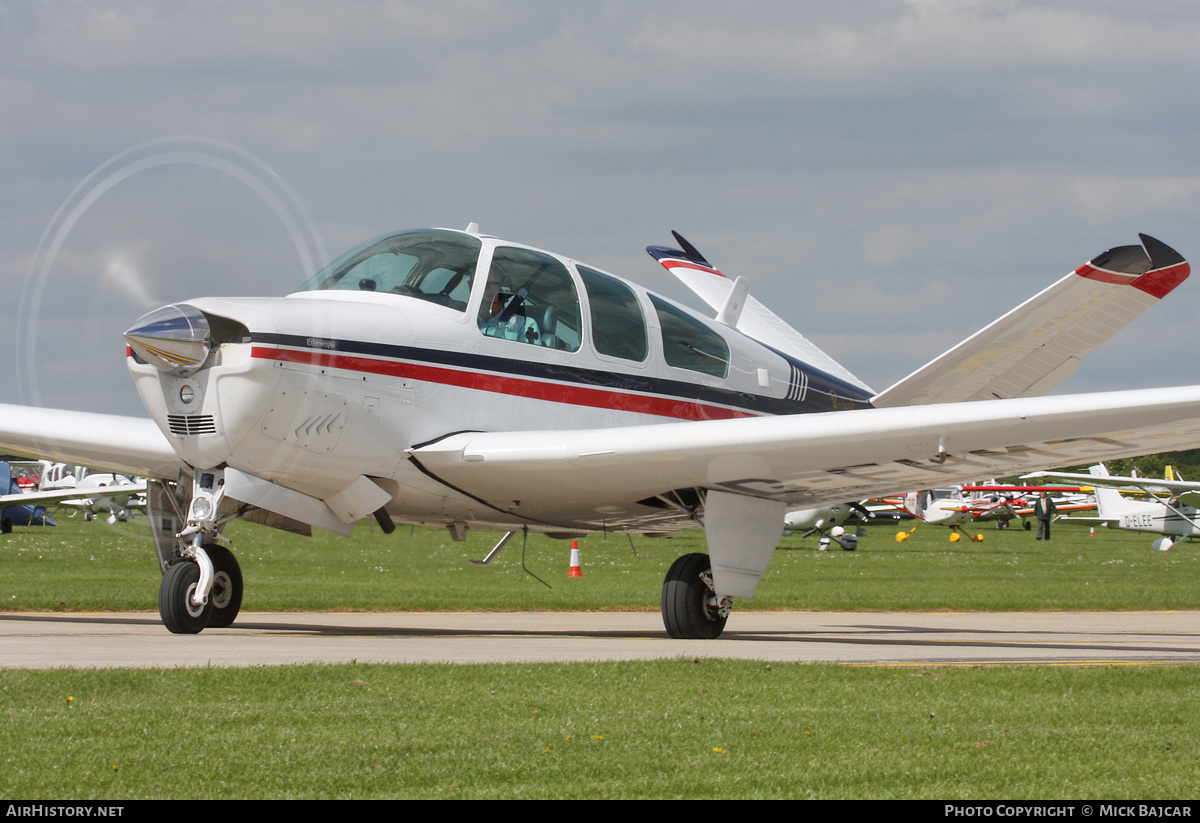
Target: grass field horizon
(96,566)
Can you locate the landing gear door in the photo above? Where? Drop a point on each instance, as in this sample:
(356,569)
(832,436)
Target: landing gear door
(165,504)
(742,533)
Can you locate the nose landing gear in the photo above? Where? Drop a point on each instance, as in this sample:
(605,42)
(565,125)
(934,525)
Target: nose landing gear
(202,582)
(181,603)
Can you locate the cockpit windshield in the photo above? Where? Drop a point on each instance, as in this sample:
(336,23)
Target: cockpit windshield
(428,264)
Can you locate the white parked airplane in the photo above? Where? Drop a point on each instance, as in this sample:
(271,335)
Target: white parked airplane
(92,492)
(957,506)
(453,378)
(943,507)
(79,488)
(1165,513)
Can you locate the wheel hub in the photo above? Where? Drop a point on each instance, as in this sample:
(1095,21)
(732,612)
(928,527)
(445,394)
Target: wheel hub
(716,608)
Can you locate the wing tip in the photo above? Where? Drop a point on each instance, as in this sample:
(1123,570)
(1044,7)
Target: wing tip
(1161,255)
(1153,267)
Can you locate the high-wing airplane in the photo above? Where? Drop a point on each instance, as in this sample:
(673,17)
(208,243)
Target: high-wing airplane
(457,379)
(16,508)
(958,506)
(1165,513)
(946,506)
(91,492)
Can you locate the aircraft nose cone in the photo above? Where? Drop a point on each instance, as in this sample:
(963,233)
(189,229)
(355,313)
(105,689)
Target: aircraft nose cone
(174,338)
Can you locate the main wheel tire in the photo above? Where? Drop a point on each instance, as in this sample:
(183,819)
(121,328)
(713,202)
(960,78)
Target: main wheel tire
(687,612)
(226,594)
(174,600)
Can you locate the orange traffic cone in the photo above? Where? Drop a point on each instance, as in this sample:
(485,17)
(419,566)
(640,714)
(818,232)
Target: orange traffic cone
(1092,531)
(575,570)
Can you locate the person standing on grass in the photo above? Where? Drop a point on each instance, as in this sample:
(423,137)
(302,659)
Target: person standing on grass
(1044,510)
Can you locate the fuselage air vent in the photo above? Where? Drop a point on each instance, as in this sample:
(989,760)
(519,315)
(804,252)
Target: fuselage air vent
(189,424)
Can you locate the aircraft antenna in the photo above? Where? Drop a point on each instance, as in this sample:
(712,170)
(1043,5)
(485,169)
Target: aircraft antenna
(524,542)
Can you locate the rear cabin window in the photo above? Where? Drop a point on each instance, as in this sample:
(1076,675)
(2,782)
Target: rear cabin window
(688,343)
(531,298)
(618,325)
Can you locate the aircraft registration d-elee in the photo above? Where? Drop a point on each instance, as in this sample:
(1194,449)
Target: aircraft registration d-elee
(456,379)
(1171,509)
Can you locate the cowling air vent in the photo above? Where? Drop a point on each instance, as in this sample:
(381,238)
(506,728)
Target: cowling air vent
(192,424)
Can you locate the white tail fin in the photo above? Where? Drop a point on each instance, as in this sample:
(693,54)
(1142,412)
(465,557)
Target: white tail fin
(1110,503)
(755,319)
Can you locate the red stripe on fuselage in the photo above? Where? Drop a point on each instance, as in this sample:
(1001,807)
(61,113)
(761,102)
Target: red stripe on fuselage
(1156,283)
(574,395)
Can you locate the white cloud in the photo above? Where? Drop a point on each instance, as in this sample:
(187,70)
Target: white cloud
(876,167)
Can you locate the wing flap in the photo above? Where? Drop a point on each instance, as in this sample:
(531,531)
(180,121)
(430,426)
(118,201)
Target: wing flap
(127,445)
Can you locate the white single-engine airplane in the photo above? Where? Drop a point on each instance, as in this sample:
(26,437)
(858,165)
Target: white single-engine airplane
(1167,513)
(79,488)
(457,379)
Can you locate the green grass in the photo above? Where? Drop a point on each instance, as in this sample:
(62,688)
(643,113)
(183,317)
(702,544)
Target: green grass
(95,566)
(718,729)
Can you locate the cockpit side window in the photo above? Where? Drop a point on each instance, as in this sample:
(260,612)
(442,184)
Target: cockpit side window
(437,266)
(688,343)
(530,297)
(618,325)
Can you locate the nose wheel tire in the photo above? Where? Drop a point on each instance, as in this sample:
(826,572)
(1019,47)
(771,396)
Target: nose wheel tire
(226,594)
(175,607)
(690,608)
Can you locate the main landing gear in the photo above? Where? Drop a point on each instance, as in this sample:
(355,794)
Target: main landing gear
(181,603)
(690,607)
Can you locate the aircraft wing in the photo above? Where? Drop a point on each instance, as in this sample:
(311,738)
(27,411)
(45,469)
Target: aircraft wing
(126,445)
(69,495)
(603,478)
(1150,485)
(1037,345)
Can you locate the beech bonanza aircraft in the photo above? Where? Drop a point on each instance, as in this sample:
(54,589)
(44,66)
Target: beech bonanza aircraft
(452,378)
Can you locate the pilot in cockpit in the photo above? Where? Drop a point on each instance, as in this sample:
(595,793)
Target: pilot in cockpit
(504,315)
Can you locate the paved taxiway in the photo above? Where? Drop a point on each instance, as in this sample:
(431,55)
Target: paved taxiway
(139,640)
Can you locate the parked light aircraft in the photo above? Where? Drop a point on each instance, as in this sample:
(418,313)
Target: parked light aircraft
(827,522)
(958,506)
(823,518)
(942,507)
(91,492)
(457,379)
(15,508)
(78,488)
(1166,513)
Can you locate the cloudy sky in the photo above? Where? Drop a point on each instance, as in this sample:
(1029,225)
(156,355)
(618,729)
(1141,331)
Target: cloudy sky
(890,175)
